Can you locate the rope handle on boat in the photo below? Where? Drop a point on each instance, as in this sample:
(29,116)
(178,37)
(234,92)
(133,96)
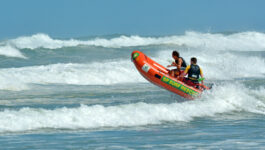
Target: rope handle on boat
(201,79)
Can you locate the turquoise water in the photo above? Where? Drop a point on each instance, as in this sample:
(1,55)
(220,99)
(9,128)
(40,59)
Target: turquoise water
(85,93)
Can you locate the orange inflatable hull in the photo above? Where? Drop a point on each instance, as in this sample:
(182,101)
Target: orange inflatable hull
(159,75)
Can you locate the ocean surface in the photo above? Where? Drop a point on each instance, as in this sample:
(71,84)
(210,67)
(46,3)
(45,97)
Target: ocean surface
(85,93)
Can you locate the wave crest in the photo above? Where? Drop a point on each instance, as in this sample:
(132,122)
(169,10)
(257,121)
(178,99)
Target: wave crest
(228,99)
(244,41)
(10,51)
(105,73)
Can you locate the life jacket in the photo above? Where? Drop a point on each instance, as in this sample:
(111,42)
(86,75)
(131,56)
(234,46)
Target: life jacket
(183,62)
(194,72)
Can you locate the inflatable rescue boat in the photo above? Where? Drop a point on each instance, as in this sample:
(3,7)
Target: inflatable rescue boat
(159,75)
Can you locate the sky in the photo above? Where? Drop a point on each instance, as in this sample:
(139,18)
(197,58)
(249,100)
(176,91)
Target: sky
(78,18)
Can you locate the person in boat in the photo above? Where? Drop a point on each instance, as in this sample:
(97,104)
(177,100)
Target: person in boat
(179,62)
(194,72)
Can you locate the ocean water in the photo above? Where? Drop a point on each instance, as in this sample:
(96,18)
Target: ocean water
(85,93)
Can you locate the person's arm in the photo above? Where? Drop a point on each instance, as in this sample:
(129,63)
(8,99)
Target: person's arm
(201,73)
(173,64)
(179,63)
(185,71)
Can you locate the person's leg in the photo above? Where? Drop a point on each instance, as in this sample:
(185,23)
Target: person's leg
(184,80)
(196,84)
(176,72)
(189,82)
(172,73)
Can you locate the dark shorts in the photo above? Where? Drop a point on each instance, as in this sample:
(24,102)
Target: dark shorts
(190,82)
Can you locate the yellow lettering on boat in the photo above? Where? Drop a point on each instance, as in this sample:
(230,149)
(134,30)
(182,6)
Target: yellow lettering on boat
(179,86)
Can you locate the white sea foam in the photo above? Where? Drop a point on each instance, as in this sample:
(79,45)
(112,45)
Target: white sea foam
(221,66)
(42,41)
(244,41)
(103,73)
(229,98)
(225,66)
(217,65)
(10,51)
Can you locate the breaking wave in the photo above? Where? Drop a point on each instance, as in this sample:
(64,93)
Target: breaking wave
(96,73)
(229,98)
(244,41)
(10,51)
(226,66)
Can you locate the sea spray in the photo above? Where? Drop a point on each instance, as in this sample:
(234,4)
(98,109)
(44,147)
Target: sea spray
(226,98)
(242,41)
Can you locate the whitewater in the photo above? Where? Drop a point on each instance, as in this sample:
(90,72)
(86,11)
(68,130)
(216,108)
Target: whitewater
(88,86)
(248,41)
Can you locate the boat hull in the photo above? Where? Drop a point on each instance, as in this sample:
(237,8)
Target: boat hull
(159,75)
